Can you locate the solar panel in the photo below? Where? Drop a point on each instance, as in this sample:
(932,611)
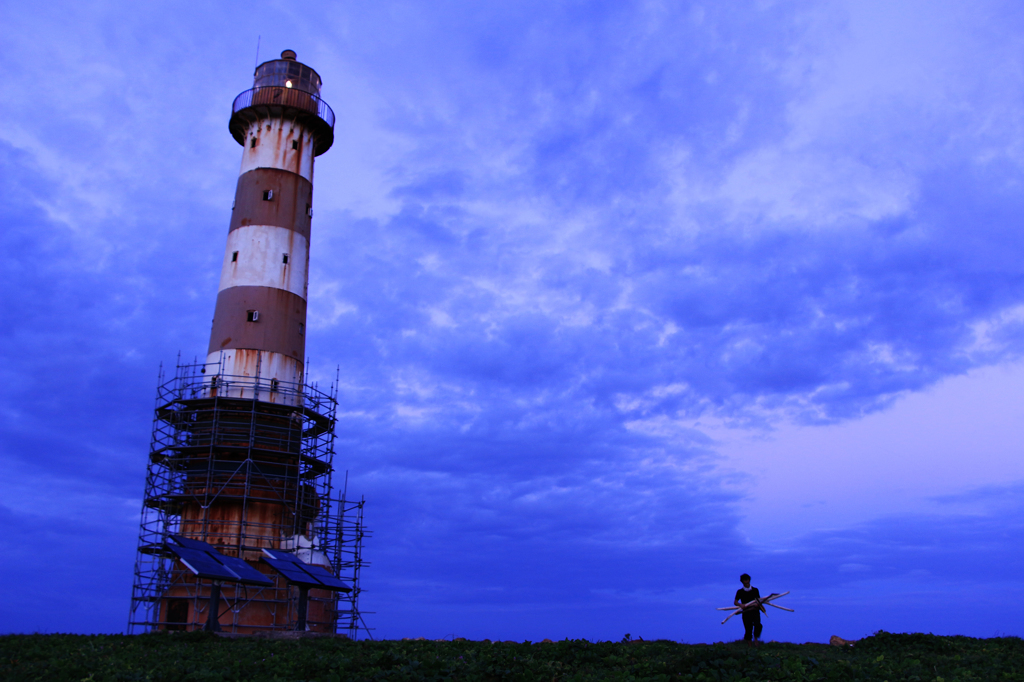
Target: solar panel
(246,573)
(325,577)
(300,573)
(282,556)
(292,572)
(206,562)
(202,564)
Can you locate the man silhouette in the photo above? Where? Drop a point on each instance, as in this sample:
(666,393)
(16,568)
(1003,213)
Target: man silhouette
(751,614)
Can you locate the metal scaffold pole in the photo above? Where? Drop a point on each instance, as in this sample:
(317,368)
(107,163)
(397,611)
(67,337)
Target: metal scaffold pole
(348,558)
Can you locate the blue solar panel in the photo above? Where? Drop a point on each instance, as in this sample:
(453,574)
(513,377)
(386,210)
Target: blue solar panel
(246,573)
(206,562)
(202,564)
(292,572)
(282,556)
(299,572)
(325,577)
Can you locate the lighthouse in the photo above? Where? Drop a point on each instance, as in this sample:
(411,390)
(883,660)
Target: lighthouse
(259,325)
(242,450)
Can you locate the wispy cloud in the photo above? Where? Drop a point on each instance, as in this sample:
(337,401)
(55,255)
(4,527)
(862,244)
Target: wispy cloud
(553,244)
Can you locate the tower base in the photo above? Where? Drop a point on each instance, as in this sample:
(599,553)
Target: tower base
(231,467)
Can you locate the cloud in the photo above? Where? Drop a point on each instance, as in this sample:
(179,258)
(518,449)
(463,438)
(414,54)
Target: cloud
(552,243)
(975,544)
(556,200)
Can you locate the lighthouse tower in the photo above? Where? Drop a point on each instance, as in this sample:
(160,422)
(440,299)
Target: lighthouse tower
(259,326)
(242,448)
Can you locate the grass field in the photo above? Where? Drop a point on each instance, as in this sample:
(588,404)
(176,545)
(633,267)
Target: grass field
(196,656)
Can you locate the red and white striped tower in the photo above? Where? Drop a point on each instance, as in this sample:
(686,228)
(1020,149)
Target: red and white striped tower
(242,448)
(259,324)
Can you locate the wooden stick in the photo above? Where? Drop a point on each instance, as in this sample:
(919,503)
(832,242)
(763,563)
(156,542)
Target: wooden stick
(756,603)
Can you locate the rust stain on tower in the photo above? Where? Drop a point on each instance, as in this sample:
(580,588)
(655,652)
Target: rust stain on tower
(243,447)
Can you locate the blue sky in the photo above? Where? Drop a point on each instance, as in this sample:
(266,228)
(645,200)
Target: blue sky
(627,298)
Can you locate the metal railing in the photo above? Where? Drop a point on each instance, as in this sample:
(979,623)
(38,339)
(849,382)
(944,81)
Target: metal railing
(277,96)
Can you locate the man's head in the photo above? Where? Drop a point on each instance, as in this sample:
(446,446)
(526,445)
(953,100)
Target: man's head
(745,579)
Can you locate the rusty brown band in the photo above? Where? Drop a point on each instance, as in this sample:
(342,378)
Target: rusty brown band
(279,329)
(288,206)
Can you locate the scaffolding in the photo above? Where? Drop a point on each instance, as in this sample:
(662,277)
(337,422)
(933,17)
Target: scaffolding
(348,558)
(244,463)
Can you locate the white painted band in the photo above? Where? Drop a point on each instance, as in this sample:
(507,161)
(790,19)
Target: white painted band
(236,370)
(281,144)
(255,257)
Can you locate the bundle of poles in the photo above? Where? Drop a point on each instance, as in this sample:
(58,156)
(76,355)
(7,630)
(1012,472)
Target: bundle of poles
(755,604)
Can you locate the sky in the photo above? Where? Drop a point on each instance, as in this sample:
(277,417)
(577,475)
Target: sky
(626,298)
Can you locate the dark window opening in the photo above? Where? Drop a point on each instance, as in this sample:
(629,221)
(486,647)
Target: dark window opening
(252,145)
(284,258)
(309,210)
(302,329)
(252,315)
(268,195)
(273,385)
(234,257)
(177,614)
(295,144)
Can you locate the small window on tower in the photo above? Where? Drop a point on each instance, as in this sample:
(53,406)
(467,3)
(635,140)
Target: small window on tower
(252,145)
(234,257)
(268,195)
(295,144)
(284,258)
(252,315)
(309,210)
(273,385)
(302,329)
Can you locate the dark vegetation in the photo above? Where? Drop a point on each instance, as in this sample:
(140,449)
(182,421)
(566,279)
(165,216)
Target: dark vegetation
(196,656)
